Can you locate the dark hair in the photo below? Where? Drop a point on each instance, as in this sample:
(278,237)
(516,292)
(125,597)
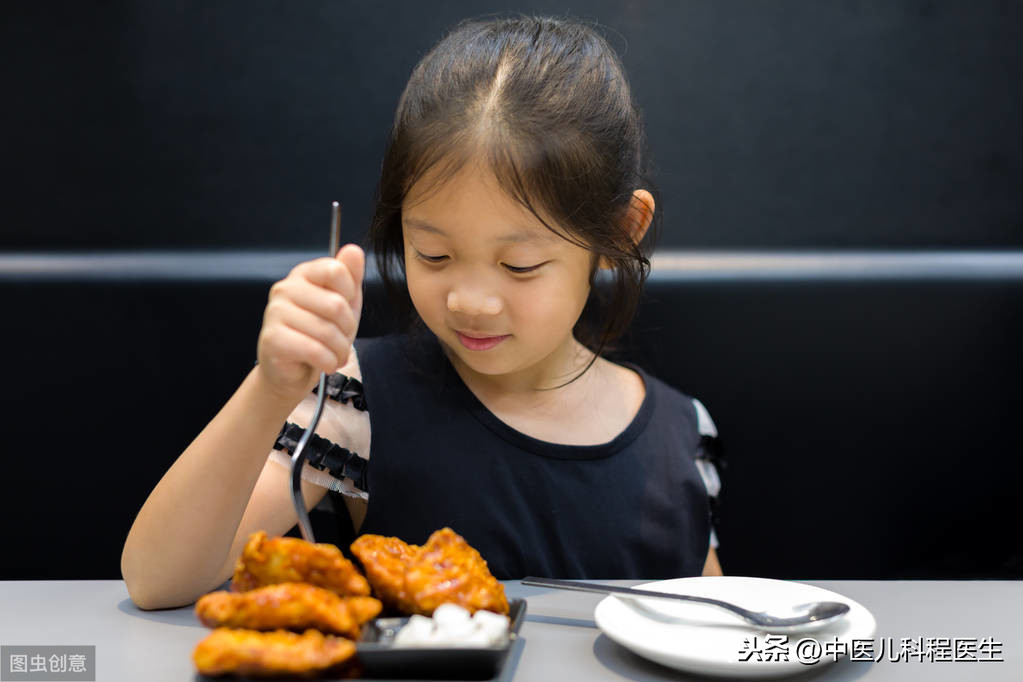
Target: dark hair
(546,103)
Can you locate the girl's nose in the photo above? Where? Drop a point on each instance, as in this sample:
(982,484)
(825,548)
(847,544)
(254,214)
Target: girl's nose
(473,302)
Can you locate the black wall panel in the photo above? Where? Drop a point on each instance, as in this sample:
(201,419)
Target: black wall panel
(233,124)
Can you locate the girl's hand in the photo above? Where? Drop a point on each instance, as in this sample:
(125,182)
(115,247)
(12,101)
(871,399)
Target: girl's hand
(310,322)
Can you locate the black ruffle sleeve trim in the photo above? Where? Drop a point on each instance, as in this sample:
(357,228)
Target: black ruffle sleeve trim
(326,455)
(343,388)
(712,450)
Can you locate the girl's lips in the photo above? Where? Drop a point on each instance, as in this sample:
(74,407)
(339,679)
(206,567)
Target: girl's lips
(480,342)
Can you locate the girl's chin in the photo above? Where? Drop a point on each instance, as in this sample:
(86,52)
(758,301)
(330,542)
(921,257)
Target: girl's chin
(505,357)
(491,363)
(481,363)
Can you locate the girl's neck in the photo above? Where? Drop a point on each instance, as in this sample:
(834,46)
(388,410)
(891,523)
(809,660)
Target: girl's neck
(592,409)
(572,364)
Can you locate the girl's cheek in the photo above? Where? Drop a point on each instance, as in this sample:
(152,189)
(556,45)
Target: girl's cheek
(425,289)
(537,306)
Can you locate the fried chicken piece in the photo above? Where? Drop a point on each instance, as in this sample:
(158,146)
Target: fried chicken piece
(385,560)
(292,606)
(416,579)
(268,561)
(448,569)
(249,652)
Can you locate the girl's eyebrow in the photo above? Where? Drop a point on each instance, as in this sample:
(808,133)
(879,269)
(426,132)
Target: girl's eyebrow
(417,224)
(518,236)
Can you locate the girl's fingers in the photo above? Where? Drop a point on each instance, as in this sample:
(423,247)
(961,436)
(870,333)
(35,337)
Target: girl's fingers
(355,259)
(324,303)
(285,346)
(332,274)
(313,313)
(301,320)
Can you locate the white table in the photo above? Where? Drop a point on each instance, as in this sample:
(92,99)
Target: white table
(558,641)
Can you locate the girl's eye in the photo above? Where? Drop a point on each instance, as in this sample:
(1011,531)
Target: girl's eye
(430,259)
(521,270)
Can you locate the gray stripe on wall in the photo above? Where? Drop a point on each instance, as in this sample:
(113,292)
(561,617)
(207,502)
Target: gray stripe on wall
(696,266)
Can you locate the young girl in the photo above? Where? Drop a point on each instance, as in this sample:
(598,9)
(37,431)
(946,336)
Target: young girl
(509,222)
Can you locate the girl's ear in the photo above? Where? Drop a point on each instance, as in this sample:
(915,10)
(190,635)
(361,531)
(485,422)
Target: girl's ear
(639,215)
(637,218)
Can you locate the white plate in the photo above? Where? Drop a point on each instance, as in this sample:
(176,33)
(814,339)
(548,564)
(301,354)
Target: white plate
(713,642)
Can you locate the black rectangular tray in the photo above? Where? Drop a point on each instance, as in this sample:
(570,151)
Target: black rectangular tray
(380,659)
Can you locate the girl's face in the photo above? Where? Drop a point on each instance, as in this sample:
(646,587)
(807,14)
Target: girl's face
(498,288)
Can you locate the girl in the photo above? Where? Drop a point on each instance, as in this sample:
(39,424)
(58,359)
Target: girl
(509,223)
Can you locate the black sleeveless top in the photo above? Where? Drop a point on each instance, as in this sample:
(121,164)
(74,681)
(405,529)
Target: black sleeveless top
(635,507)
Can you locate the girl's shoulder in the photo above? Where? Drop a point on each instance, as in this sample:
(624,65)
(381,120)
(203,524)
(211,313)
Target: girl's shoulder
(633,374)
(389,353)
(412,347)
(675,408)
(377,345)
(671,400)
(628,384)
(394,361)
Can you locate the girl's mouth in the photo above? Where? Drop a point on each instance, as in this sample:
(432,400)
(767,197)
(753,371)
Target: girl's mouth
(480,342)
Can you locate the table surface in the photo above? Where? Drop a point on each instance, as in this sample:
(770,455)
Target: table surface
(558,640)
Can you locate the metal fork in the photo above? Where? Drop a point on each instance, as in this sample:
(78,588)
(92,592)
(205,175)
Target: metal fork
(801,617)
(299,456)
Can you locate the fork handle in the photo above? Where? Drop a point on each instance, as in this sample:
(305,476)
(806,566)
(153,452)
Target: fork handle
(298,457)
(630,591)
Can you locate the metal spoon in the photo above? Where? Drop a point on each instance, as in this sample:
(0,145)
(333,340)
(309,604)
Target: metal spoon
(299,456)
(809,616)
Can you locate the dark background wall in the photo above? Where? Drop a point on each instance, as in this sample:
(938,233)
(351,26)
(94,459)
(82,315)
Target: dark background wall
(890,388)
(232,124)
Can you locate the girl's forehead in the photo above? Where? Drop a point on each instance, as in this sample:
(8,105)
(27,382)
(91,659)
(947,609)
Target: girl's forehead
(453,182)
(472,196)
(509,233)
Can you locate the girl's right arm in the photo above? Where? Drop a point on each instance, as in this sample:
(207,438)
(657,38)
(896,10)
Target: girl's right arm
(222,487)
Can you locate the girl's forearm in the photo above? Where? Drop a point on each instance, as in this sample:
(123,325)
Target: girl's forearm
(184,531)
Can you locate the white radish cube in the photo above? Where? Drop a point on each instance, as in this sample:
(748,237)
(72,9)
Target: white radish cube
(417,632)
(450,614)
(494,625)
(453,633)
(477,638)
